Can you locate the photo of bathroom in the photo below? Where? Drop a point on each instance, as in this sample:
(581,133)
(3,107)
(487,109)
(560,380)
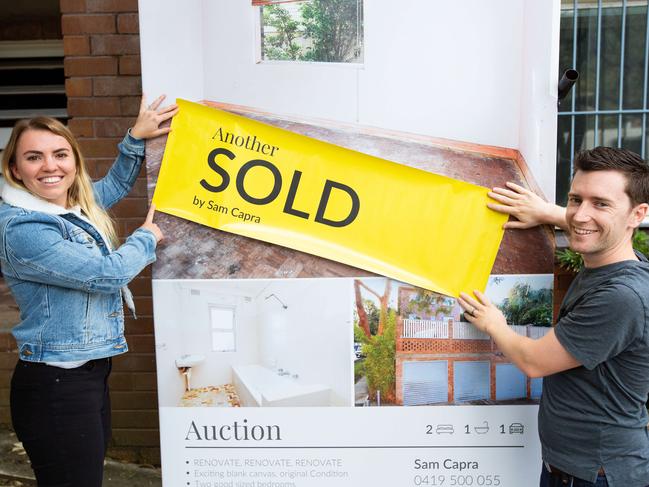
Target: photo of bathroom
(254,342)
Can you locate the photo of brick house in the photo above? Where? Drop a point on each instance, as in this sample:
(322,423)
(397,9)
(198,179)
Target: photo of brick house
(441,359)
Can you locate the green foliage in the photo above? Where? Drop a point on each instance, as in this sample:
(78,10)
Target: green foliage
(281,45)
(359,370)
(527,306)
(380,360)
(328,31)
(572,261)
(334,27)
(428,303)
(359,334)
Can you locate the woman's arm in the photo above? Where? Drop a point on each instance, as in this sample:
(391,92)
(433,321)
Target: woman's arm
(122,175)
(35,250)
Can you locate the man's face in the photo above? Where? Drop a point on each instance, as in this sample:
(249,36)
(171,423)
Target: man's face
(600,217)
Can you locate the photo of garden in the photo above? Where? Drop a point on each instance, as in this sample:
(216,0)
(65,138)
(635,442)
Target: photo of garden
(412,346)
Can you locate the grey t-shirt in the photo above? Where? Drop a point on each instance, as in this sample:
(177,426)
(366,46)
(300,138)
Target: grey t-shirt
(595,415)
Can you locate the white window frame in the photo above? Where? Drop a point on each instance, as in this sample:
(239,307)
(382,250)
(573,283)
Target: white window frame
(215,329)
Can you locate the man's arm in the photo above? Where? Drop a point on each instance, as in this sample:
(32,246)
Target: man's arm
(528,208)
(536,358)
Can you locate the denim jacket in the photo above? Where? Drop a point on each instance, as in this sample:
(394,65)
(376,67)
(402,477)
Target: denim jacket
(61,271)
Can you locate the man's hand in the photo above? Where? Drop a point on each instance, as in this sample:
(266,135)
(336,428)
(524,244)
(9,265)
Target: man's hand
(528,208)
(149,119)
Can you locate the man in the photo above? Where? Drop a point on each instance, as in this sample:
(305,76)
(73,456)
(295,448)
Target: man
(592,416)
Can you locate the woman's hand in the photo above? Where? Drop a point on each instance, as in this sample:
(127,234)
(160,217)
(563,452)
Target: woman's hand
(152,227)
(481,312)
(527,207)
(149,119)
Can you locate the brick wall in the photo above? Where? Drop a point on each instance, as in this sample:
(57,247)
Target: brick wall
(102,68)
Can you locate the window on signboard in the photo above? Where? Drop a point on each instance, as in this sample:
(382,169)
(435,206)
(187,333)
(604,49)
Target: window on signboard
(223,329)
(324,31)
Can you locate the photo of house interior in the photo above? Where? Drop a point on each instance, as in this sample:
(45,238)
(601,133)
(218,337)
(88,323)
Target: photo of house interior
(254,343)
(438,357)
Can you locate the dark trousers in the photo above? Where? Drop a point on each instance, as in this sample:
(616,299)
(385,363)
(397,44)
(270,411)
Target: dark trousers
(563,480)
(62,417)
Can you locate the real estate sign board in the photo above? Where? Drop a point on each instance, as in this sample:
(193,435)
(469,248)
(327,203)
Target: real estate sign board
(280,366)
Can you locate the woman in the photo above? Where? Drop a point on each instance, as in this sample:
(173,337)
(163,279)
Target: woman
(61,258)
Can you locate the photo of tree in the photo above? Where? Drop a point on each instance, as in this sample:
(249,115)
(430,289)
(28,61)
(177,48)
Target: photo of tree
(413,346)
(329,31)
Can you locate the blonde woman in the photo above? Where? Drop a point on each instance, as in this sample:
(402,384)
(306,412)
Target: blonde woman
(61,258)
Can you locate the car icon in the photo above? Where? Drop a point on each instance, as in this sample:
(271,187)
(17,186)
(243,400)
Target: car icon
(443,429)
(516,428)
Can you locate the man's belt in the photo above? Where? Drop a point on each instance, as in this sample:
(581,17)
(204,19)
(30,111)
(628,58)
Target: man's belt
(564,476)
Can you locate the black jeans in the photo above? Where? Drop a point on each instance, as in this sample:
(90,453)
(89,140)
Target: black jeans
(62,417)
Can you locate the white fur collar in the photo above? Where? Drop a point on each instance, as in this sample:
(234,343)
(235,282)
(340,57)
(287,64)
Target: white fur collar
(26,200)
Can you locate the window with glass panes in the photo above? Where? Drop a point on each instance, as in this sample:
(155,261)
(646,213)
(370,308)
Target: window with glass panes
(607,42)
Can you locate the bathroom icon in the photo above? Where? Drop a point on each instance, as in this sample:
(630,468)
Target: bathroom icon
(482,430)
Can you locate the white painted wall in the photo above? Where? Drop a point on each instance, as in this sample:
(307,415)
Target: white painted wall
(538,114)
(469,70)
(168,340)
(171,46)
(313,336)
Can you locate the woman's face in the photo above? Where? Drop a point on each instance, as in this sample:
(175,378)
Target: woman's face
(45,164)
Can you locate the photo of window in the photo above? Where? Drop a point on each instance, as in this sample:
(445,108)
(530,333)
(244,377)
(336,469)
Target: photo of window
(321,31)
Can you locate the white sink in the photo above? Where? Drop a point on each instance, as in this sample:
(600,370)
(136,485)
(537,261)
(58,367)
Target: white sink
(189,360)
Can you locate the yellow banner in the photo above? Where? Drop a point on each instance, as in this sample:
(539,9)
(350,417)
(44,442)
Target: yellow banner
(245,177)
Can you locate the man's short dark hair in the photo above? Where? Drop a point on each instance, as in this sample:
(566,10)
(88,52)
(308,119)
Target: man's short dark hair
(634,168)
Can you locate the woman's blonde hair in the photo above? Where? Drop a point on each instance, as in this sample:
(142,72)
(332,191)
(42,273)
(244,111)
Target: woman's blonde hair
(81,192)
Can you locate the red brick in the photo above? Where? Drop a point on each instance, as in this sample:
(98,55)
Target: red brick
(81,127)
(78,87)
(90,65)
(117,86)
(7,342)
(128,24)
(88,24)
(122,381)
(140,287)
(98,167)
(141,344)
(139,188)
(98,147)
(93,107)
(72,6)
(133,400)
(146,381)
(144,306)
(133,419)
(115,44)
(76,45)
(130,65)
(8,360)
(112,5)
(130,105)
(141,326)
(113,127)
(129,225)
(132,362)
(131,207)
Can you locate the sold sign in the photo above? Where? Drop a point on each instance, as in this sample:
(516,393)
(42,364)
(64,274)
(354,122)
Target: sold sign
(256,180)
